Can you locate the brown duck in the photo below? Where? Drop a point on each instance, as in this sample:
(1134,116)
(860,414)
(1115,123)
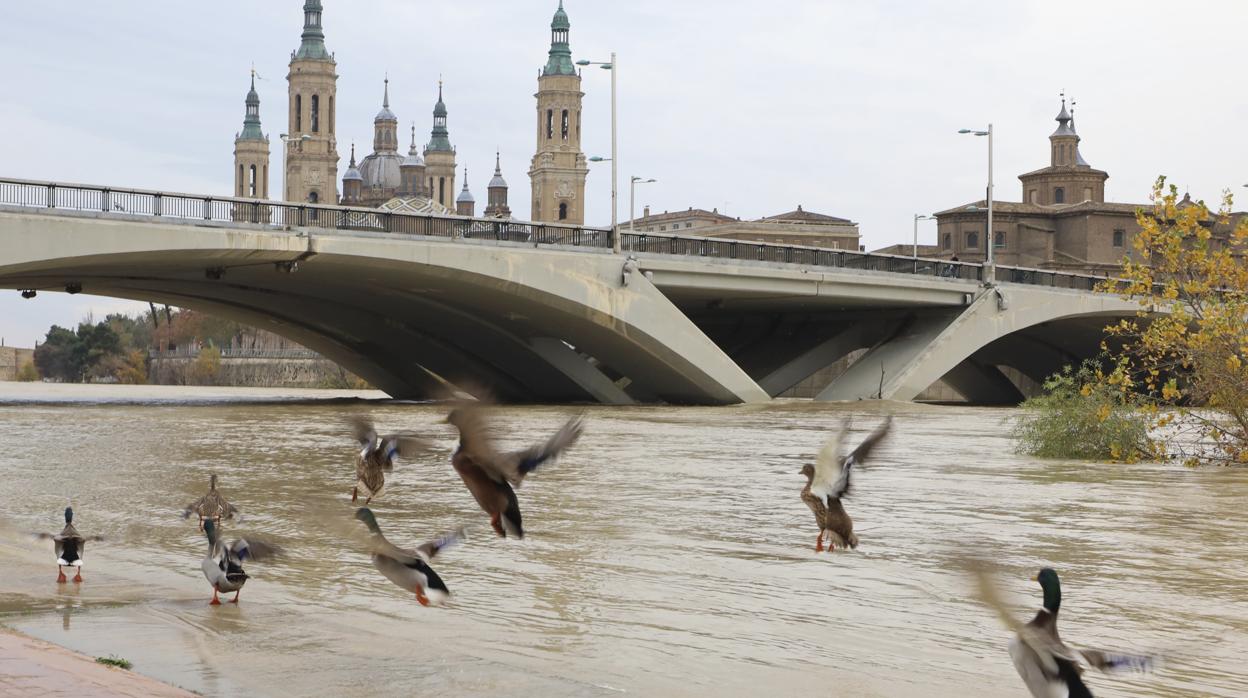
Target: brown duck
(376,457)
(211,506)
(490,475)
(829,479)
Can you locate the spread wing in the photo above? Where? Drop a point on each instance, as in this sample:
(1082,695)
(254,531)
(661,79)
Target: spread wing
(515,466)
(831,479)
(873,439)
(362,428)
(402,446)
(474,431)
(432,548)
(1041,646)
(1117,662)
(254,549)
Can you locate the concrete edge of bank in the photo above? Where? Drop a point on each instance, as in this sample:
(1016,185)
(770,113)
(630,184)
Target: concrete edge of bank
(32,667)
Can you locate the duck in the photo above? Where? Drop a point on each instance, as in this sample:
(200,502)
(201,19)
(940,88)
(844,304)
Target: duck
(828,480)
(1046,664)
(211,506)
(223,565)
(409,569)
(376,457)
(490,476)
(70,546)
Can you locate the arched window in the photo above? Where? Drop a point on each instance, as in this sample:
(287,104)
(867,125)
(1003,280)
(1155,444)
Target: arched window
(442,190)
(1059,195)
(578,125)
(972,240)
(564,125)
(264,181)
(298,113)
(550,124)
(998,240)
(252,183)
(242,180)
(316,114)
(313,197)
(563,212)
(331,115)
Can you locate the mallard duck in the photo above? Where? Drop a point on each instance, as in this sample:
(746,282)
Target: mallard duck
(409,569)
(490,475)
(70,547)
(1048,666)
(376,457)
(223,565)
(829,479)
(211,506)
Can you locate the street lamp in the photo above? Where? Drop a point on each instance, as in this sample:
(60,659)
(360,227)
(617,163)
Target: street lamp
(989,274)
(612,66)
(286,141)
(632,194)
(919,217)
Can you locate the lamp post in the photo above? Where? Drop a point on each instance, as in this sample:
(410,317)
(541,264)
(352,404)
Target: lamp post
(286,140)
(612,66)
(919,217)
(989,274)
(632,195)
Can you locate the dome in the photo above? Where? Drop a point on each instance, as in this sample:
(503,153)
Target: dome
(561,19)
(352,175)
(465,196)
(385,115)
(381,170)
(413,159)
(498,182)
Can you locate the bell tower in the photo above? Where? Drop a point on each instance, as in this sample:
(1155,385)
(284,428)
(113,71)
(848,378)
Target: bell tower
(559,168)
(311,155)
(251,152)
(440,157)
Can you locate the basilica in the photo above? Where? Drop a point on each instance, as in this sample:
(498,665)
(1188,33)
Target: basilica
(423,179)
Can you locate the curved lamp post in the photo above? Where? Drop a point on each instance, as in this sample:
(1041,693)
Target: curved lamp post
(988,241)
(612,66)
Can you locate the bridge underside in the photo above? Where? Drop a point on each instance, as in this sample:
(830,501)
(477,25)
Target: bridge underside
(416,316)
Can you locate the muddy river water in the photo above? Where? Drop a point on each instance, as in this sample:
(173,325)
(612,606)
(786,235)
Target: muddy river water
(667,554)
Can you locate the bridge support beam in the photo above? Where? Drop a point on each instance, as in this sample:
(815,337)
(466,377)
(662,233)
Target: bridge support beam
(983,384)
(824,354)
(566,360)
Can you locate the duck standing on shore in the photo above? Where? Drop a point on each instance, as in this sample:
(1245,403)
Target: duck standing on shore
(829,479)
(70,547)
(1047,665)
(409,569)
(223,565)
(212,506)
(490,475)
(376,457)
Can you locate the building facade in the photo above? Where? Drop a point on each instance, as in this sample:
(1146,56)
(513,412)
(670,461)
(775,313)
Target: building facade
(311,154)
(559,168)
(797,227)
(251,152)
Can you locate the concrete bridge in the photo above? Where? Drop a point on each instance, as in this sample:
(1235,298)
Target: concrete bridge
(547,313)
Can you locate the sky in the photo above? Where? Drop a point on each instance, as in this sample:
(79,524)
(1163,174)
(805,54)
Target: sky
(848,108)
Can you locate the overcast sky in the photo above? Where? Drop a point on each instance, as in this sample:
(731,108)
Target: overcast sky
(847,108)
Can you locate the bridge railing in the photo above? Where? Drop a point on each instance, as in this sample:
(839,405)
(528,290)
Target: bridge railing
(139,202)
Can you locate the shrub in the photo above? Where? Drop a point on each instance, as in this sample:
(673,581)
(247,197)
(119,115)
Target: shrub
(28,372)
(1083,415)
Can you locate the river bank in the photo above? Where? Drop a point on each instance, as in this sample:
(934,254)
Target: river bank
(31,668)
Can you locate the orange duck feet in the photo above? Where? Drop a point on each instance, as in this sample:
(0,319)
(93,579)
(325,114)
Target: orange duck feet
(60,576)
(421,598)
(497,522)
(78,578)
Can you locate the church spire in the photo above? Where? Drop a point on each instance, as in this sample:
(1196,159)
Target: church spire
(313,45)
(559,61)
(251,118)
(439,137)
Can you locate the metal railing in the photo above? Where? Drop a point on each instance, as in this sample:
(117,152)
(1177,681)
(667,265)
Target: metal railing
(155,204)
(190,351)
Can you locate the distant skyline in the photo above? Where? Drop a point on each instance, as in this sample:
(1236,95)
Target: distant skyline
(849,109)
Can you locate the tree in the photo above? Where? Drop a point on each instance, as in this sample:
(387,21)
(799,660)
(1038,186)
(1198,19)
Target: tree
(1188,349)
(206,366)
(56,358)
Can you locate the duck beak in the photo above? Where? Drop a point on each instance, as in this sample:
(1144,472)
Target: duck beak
(1035,577)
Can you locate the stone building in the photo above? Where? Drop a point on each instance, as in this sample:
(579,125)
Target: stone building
(311,158)
(496,205)
(559,167)
(1063,221)
(251,152)
(465,204)
(797,227)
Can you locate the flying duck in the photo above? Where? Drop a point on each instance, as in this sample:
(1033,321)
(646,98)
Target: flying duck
(490,475)
(829,479)
(409,569)
(1048,666)
(211,506)
(376,457)
(223,565)
(69,548)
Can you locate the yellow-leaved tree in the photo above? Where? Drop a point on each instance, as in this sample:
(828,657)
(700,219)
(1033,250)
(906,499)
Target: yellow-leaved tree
(1188,349)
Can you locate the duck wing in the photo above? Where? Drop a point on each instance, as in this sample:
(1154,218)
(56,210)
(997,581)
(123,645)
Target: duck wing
(430,549)
(1117,662)
(254,549)
(514,466)
(831,480)
(402,446)
(362,429)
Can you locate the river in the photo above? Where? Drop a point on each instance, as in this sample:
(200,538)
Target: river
(667,554)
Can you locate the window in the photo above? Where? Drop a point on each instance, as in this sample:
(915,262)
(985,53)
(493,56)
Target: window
(316,114)
(265,179)
(1033,196)
(662,227)
(563,128)
(688,225)
(578,125)
(1087,193)
(550,124)
(298,113)
(947,242)
(241,180)
(1119,237)
(331,114)
(563,212)
(252,182)
(313,197)
(998,240)
(972,240)
(442,190)
(1059,195)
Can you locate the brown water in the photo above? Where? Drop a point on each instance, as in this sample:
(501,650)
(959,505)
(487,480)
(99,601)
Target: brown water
(668,553)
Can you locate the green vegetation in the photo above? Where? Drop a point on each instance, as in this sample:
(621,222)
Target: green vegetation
(1083,415)
(28,373)
(113,660)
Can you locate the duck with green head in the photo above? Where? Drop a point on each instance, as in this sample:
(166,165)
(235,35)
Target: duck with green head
(223,565)
(70,546)
(409,569)
(1047,665)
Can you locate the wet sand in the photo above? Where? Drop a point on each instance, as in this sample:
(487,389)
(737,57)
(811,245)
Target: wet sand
(31,668)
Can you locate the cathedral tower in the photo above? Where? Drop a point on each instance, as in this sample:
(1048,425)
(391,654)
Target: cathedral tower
(559,168)
(466,204)
(251,152)
(1068,179)
(440,158)
(496,203)
(312,152)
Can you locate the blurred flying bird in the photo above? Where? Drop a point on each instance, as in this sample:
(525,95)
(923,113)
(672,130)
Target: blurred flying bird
(828,480)
(409,569)
(223,565)
(376,457)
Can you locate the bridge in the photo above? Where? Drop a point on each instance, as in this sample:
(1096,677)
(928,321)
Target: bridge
(548,313)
